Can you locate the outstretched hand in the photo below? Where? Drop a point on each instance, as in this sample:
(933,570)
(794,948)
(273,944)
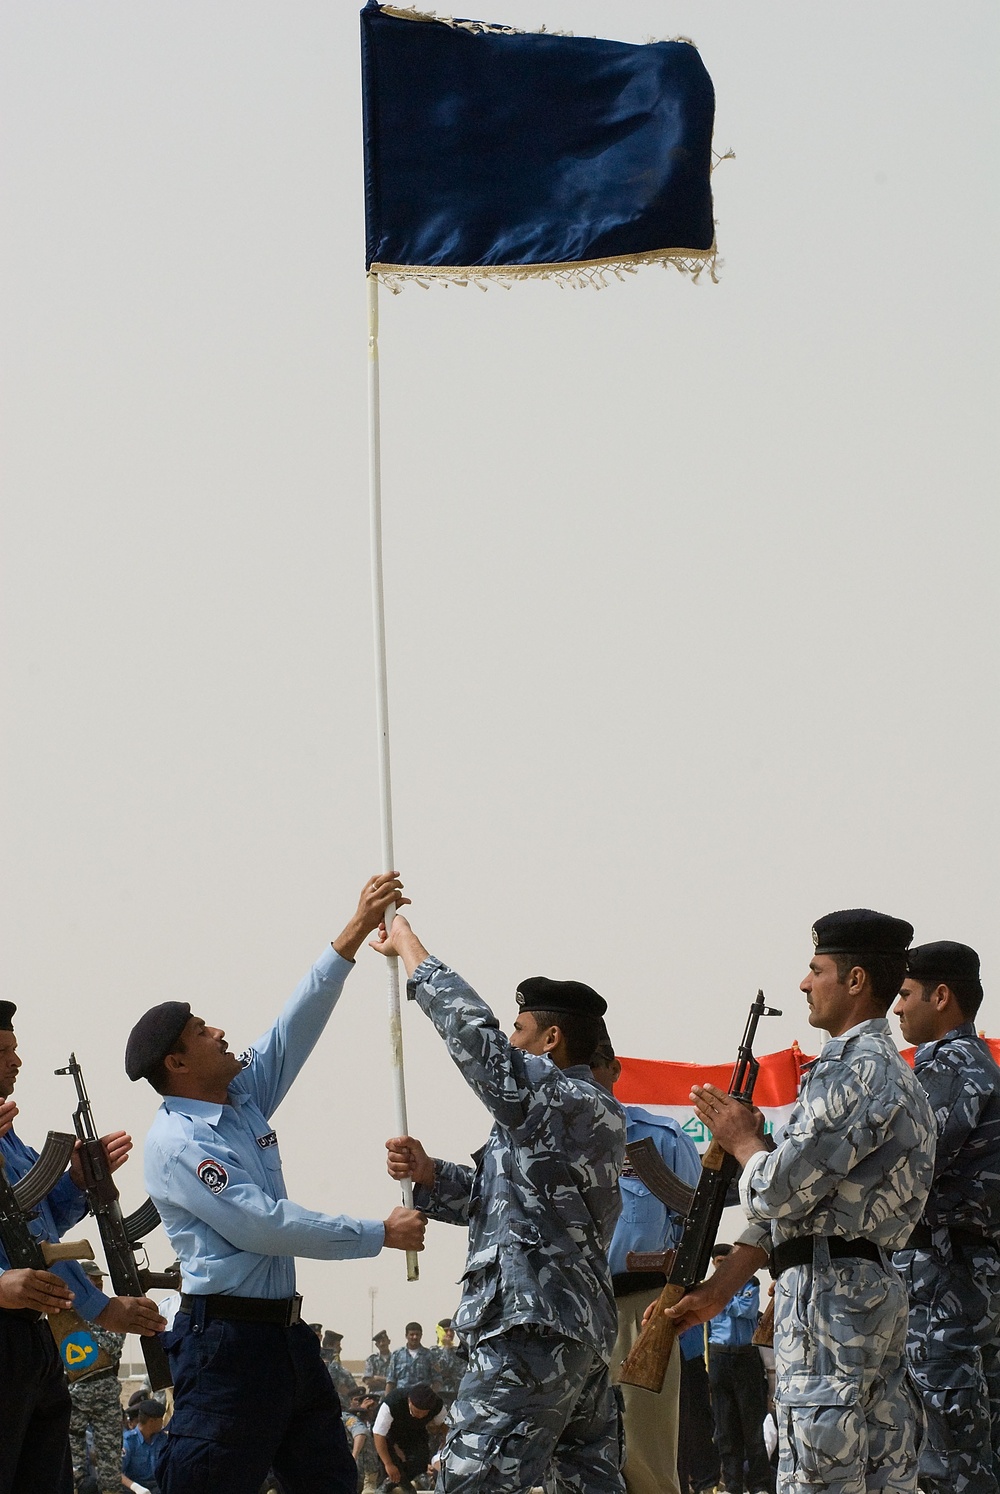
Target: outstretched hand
(379,893)
(402,941)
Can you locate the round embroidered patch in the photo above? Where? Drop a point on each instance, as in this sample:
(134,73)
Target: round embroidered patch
(213,1175)
(78,1351)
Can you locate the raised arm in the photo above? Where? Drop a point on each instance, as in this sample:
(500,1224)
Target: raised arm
(273,1062)
(506,1079)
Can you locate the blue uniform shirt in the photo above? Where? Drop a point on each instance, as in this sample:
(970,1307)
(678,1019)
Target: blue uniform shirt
(645,1223)
(736,1323)
(139,1456)
(214,1171)
(57,1213)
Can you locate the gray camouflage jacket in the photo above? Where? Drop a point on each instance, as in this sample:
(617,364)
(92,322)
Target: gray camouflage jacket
(858,1151)
(542,1199)
(963,1085)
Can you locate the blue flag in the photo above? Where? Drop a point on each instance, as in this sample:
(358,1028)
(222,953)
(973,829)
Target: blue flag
(496,153)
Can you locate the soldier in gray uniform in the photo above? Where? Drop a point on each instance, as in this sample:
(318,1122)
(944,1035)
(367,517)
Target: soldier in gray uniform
(537,1312)
(97,1404)
(339,1373)
(951,1262)
(378,1362)
(844,1188)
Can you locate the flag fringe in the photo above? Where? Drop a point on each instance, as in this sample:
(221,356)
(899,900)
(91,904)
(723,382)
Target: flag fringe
(583,274)
(485,28)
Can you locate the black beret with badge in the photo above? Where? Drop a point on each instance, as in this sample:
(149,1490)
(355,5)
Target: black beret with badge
(539,994)
(154,1036)
(943,962)
(7,1010)
(861,931)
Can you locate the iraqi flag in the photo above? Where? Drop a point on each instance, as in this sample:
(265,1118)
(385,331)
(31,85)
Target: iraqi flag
(665,1087)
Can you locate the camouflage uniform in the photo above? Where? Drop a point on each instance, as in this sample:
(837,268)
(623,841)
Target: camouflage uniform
(856,1160)
(369,1463)
(97,1404)
(377,1364)
(448,1372)
(344,1381)
(953,1285)
(406,1369)
(537,1311)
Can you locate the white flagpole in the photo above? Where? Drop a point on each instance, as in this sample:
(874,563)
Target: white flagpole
(382,722)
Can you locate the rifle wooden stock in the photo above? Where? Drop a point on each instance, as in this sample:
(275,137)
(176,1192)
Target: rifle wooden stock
(764,1334)
(67,1250)
(646,1362)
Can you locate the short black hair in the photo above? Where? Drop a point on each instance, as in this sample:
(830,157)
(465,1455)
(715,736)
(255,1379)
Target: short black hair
(721,1250)
(968,993)
(159,1077)
(886,971)
(413,1328)
(581,1033)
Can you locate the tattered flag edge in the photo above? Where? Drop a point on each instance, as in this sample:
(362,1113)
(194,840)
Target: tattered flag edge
(576,274)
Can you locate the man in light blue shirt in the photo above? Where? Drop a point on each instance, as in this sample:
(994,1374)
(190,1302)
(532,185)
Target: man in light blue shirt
(645,1226)
(739,1388)
(251,1391)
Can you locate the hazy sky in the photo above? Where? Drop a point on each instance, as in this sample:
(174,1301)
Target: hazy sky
(691,589)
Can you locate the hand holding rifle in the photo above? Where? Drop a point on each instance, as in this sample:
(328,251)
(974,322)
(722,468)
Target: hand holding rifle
(735,1126)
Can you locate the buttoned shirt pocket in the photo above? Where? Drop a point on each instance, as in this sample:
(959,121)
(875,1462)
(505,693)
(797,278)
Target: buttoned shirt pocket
(643,1217)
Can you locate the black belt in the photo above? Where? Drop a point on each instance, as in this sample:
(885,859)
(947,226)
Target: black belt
(26,1314)
(281,1311)
(624,1282)
(922,1238)
(800,1252)
(732,1349)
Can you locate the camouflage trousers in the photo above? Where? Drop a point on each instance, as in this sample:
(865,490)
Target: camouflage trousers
(846,1415)
(532,1409)
(97,1404)
(953,1351)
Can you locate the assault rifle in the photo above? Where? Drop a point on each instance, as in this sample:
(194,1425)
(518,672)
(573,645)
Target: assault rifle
(646,1363)
(120,1236)
(79,1351)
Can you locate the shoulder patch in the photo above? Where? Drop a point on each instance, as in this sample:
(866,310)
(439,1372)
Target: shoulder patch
(246,1057)
(213,1175)
(270,1139)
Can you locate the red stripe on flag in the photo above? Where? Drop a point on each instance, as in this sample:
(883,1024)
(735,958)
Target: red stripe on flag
(647,1081)
(650,1081)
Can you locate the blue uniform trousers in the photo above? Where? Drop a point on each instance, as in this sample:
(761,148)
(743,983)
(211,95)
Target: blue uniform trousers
(249,1397)
(34,1409)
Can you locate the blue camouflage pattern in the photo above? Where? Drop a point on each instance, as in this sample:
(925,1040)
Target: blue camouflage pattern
(449,1368)
(962,1082)
(535,1411)
(856,1160)
(97,1404)
(377,1364)
(343,1380)
(406,1369)
(953,1286)
(542,1198)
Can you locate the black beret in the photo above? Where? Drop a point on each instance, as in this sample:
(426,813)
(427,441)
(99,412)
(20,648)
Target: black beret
(151,1408)
(330,1338)
(7,1010)
(153,1037)
(539,994)
(943,962)
(861,931)
(380,1334)
(424,1398)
